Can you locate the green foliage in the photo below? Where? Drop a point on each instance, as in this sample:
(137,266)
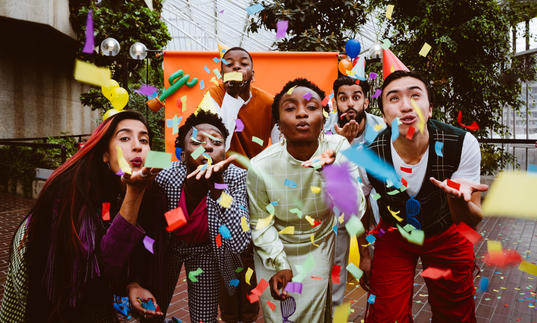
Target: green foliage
(128,21)
(313,25)
(470,63)
(18,163)
(494,158)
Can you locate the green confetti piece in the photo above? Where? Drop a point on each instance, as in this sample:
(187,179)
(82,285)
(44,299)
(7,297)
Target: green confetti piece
(415,236)
(258,141)
(354,226)
(239,269)
(393,192)
(243,160)
(213,138)
(296,211)
(196,153)
(158,159)
(193,275)
(355,271)
(270,208)
(304,269)
(376,196)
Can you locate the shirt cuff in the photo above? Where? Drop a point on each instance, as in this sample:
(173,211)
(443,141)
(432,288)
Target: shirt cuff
(119,241)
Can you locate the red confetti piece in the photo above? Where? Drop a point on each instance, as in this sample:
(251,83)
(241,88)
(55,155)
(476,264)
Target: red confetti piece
(218,240)
(502,259)
(325,100)
(468,232)
(258,291)
(317,277)
(472,127)
(404,182)
(410,133)
(436,273)
(271,305)
(316,223)
(106,211)
(357,81)
(175,218)
(336,270)
(406,170)
(453,184)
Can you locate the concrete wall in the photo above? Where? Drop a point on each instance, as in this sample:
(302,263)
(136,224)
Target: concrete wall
(38,95)
(54,13)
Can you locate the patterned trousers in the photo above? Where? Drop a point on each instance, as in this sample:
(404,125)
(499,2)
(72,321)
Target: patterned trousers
(203,294)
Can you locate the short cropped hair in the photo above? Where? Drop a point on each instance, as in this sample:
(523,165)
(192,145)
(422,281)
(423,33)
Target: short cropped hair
(236,48)
(400,74)
(296,82)
(347,80)
(195,119)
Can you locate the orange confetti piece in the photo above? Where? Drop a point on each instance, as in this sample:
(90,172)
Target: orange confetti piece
(175,218)
(106,211)
(271,305)
(472,127)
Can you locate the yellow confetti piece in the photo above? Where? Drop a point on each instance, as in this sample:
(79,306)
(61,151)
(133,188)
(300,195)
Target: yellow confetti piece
(288,230)
(291,90)
(262,223)
(244,224)
(214,80)
(123,164)
(315,189)
(310,220)
(494,246)
(421,123)
(425,50)
(392,69)
(512,194)
(183,103)
(325,114)
(389,11)
(89,73)
(225,200)
(312,238)
(258,141)
(248,275)
(378,127)
(341,313)
(528,268)
(233,76)
(341,218)
(394,214)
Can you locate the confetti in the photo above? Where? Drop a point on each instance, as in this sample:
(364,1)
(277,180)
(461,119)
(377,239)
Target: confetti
(224,231)
(175,218)
(341,313)
(354,226)
(290,91)
(436,273)
(308,96)
(148,243)
(217,73)
(281,28)
(265,222)
(294,287)
(288,230)
(244,224)
(202,85)
(296,211)
(196,153)
(421,122)
(158,159)
(174,124)
(146,90)
(453,184)
(258,141)
(192,276)
(312,238)
(406,170)
(271,305)
(234,282)
(248,275)
(123,164)
(371,299)
(528,268)
(239,125)
(255,8)
(471,127)
(90,42)
(355,271)
(335,274)
(315,189)
(207,69)
(219,186)
(373,75)
(389,11)
(512,194)
(233,76)
(225,200)
(106,211)
(289,183)
(89,73)
(410,133)
(425,50)
(468,232)
(377,93)
(438,146)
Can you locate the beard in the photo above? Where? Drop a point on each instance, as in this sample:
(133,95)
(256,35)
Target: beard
(360,115)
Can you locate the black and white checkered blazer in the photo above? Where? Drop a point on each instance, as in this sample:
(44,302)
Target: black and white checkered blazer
(227,255)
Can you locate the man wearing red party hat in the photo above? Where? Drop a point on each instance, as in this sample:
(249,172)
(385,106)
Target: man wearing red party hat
(427,154)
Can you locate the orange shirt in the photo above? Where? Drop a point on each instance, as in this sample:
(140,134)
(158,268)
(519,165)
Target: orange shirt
(257,119)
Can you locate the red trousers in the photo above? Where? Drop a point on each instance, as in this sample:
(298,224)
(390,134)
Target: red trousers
(393,270)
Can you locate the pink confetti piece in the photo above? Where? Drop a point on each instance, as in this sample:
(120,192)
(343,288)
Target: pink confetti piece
(308,96)
(239,125)
(219,186)
(148,243)
(378,92)
(88,46)
(281,28)
(373,75)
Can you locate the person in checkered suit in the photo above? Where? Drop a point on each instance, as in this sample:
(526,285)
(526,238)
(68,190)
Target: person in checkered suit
(211,194)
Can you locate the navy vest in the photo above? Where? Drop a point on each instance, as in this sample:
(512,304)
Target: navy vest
(434,215)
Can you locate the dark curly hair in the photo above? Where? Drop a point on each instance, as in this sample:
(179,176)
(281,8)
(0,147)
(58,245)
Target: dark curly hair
(400,74)
(296,82)
(346,80)
(194,120)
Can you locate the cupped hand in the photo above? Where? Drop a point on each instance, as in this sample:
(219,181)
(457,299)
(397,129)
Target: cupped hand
(278,282)
(465,190)
(141,178)
(326,158)
(136,291)
(350,130)
(213,173)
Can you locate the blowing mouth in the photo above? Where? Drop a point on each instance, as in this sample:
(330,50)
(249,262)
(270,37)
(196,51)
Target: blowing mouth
(408,119)
(137,162)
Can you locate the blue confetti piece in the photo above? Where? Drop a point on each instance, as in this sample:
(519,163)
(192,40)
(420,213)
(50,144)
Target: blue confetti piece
(255,8)
(274,203)
(371,299)
(370,238)
(289,183)
(234,282)
(202,85)
(225,62)
(148,305)
(395,129)
(178,153)
(532,168)
(152,96)
(370,134)
(216,59)
(335,228)
(438,146)
(242,207)
(224,231)
(367,159)
(207,69)
(194,133)
(483,284)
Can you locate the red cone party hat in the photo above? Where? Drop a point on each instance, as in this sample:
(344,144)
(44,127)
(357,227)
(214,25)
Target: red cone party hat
(391,63)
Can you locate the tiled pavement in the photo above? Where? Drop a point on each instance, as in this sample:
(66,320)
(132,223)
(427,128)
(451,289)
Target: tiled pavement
(511,296)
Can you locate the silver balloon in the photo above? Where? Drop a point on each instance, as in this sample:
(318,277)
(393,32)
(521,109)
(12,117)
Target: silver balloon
(138,51)
(110,47)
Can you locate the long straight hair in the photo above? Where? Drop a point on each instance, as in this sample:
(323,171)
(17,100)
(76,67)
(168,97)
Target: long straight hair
(65,225)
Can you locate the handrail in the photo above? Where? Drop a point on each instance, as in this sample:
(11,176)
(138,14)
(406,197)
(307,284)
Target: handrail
(38,145)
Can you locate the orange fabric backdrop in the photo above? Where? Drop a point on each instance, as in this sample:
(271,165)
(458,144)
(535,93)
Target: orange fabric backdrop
(272,71)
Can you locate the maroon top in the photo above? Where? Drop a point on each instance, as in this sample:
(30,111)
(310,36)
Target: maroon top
(196,229)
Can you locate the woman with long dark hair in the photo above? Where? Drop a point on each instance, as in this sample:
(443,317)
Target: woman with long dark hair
(69,254)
